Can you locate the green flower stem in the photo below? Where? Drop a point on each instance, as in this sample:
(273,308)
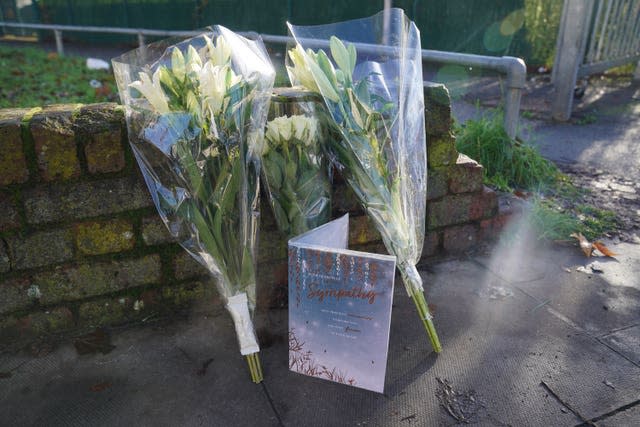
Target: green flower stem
(425,316)
(253,360)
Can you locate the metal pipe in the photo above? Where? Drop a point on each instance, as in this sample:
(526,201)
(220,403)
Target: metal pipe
(513,68)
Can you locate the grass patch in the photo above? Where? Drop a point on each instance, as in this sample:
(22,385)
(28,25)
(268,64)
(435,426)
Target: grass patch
(556,210)
(32,77)
(507,163)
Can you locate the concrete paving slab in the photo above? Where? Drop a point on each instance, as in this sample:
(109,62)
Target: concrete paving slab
(626,341)
(628,418)
(187,373)
(497,348)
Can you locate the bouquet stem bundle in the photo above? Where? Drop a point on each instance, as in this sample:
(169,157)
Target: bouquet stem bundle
(195,116)
(295,169)
(378,108)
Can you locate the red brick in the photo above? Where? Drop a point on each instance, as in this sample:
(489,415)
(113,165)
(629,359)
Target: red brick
(186,267)
(13,164)
(78,282)
(436,183)
(9,218)
(40,248)
(460,238)
(465,176)
(102,237)
(55,143)
(46,322)
(17,294)
(431,244)
(362,230)
(104,152)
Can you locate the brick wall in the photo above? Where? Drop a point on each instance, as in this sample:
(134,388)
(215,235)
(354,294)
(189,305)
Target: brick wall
(81,244)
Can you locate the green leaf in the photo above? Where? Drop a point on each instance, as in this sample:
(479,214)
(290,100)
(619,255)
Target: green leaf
(341,56)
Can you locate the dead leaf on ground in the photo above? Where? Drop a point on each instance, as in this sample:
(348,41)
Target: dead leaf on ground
(602,248)
(585,245)
(100,386)
(588,247)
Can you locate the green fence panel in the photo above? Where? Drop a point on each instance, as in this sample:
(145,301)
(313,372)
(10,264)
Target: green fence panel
(489,27)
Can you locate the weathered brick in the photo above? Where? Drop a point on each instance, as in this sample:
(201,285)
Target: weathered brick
(40,248)
(272,245)
(465,176)
(97,118)
(18,331)
(441,151)
(460,238)
(63,202)
(13,164)
(431,244)
(437,105)
(5,265)
(198,293)
(104,152)
(272,279)
(55,143)
(9,331)
(9,219)
(436,183)
(95,238)
(154,232)
(82,281)
(109,311)
(186,267)
(461,208)
(362,230)
(344,200)
(40,323)
(17,294)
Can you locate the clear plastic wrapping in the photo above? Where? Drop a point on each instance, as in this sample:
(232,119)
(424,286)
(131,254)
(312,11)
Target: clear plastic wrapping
(196,111)
(295,169)
(369,72)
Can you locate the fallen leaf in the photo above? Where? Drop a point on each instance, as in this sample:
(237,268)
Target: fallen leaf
(602,248)
(585,245)
(100,386)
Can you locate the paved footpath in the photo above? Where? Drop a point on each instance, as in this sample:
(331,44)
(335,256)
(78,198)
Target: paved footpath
(533,334)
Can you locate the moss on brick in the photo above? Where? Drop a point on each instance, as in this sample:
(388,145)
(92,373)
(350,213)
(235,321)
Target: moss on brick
(95,238)
(13,164)
(441,151)
(55,144)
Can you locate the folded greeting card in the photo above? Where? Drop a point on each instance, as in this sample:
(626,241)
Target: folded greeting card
(339,308)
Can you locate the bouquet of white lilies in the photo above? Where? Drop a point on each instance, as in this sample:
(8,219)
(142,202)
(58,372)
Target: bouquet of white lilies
(196,112)
(374,97)
(295,168)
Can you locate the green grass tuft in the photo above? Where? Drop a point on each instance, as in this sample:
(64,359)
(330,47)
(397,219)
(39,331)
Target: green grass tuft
(555,211)
(507,163)
(32,77)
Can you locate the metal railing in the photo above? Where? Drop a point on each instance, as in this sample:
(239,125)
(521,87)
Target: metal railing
(513,68)
(594,35)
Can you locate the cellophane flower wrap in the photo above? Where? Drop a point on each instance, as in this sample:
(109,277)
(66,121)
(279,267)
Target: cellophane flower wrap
(295,169)
(369,72)
(196,111)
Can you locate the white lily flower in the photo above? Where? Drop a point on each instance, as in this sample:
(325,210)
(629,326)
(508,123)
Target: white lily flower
(152,91)
(212,86)
(177,64)
(300,73)
(220,53)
